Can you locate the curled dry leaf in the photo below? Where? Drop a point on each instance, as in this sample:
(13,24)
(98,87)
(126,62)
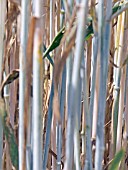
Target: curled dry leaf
(9,79)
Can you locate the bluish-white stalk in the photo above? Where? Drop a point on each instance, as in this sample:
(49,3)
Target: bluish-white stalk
(37,102)
(82,15)
(88,161)
(77,128)
(93,74)
(22,63)
(37,88)
(62,104)
(77,121)
(104,30)
(83,138)
(52,19)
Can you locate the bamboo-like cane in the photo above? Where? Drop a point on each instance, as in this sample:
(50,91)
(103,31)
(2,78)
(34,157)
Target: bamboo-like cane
(2,27)
(37,87)
(116,89)
(22,60)
(104,31)
(74,84)
(122,83)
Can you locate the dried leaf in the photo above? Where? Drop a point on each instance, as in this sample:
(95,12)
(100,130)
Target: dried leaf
(10,78)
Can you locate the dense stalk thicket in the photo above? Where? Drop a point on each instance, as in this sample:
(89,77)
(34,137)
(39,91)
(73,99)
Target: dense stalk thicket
(63,84)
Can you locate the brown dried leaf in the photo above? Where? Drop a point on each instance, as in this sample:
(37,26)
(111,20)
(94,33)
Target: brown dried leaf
(10,78)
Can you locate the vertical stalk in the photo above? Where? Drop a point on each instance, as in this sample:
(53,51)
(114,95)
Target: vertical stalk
(93,74)
(2,27)
(117,77)
(121,109)
(37,87)
(60,143)
(62,104)
(83,148)
(52,19)
(126,89)
(6,97)
(122,85)
(23,37)
(53,126)
(96,97)
(28,97)
(2,24)
(104,30)
(74,83)
(88,161)
(77,128)
(37,102)
(48,129)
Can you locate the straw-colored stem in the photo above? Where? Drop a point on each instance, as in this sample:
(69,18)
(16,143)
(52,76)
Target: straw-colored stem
(122,87)
(117,60)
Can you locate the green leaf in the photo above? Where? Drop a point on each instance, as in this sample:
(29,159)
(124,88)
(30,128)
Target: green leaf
(89,31)
(48,56)
(116,7)
(117,159)
(9,133)
(56,42)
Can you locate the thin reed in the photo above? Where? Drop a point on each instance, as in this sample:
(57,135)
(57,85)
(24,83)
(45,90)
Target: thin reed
(63,84)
